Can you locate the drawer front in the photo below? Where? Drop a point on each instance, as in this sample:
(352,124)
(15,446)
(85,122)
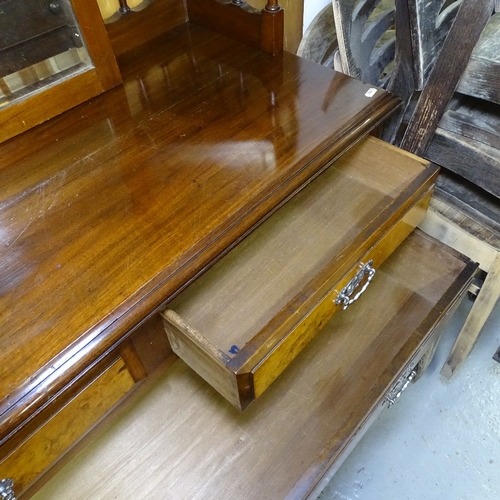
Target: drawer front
(273,365)
(59,433)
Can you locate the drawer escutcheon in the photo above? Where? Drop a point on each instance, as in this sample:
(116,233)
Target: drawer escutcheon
(348,290)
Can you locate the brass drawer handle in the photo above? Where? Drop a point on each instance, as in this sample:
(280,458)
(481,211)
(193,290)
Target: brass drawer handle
(348,290)
(6,491)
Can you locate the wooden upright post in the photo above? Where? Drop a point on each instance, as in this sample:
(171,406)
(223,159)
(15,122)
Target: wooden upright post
(273,27)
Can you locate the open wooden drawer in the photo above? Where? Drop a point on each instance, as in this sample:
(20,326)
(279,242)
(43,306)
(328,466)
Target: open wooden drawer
(185,441)
(248,317)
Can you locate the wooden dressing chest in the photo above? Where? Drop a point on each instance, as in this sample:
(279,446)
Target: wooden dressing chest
(212,152)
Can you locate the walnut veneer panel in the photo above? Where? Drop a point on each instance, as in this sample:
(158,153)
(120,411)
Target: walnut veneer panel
(184,441)
(57,435)
(108,209)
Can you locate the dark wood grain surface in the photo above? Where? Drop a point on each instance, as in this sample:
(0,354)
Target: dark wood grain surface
(135,28)
(109,209)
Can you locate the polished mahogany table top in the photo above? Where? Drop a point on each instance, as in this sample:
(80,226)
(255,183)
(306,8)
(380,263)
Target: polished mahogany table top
(109,209)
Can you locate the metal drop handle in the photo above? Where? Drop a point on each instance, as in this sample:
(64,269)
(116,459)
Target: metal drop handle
(398,389)
(6,491)
(344,297)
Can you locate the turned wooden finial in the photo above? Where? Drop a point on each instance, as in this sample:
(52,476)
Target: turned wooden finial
(124,8)
(273,5)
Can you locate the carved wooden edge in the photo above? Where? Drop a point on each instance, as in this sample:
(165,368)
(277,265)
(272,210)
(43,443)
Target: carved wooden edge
(236,19)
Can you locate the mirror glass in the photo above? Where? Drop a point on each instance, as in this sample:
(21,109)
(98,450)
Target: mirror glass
(40,44)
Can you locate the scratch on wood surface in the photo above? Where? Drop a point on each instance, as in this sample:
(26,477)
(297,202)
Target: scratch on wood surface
(22,232)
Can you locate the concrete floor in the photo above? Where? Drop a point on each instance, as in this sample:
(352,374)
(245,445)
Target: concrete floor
(441,440)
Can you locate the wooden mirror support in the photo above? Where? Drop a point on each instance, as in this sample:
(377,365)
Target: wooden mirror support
(236,19)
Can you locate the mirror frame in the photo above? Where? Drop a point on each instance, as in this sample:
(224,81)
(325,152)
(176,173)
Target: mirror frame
(53,100)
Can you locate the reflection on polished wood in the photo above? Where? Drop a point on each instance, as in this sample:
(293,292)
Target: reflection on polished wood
(183,440)
(109,209)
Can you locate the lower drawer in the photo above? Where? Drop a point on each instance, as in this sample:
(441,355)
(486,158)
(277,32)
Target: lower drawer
(185,439)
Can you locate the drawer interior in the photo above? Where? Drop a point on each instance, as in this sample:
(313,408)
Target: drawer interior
(244,320)
(250,285)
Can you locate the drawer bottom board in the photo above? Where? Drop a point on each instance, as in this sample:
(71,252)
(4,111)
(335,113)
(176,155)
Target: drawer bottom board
(184,441)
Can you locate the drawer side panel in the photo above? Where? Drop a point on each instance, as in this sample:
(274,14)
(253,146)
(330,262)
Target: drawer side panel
(205,359)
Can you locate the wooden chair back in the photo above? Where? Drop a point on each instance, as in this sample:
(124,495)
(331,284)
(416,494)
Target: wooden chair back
(408,46)
(367,31)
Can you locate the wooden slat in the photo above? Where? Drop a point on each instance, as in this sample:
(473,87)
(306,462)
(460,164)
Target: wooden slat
(430,24)
(320,39)
(446,74)
(481,310)
(482,74)
(469,158)
(473,202)
(459,231)
(478,121)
